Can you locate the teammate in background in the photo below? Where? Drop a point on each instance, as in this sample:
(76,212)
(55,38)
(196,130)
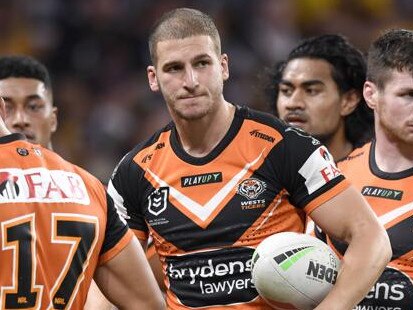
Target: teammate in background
(383,169)
(319,89)
(220,178)
(59,228)
(26,88)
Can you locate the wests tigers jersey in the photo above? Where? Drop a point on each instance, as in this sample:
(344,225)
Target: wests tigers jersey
(391,197)
(207,215)
(57,225)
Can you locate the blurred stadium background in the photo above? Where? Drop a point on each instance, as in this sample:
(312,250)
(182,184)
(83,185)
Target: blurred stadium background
(96,51)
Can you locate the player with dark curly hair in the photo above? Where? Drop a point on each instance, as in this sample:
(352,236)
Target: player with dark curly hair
(318,88)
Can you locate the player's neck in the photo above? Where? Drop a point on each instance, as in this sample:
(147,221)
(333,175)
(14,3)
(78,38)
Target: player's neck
(340,149)
(393,155)
(338,145)
(198,138)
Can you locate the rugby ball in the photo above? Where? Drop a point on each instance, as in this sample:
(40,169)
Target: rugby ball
(294,271)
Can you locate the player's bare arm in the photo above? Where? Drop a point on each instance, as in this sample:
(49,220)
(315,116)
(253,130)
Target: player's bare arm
(348,217)
(128,282)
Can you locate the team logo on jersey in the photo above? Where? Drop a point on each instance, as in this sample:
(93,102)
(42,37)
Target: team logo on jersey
(42,185)
(8,186)
(381,192)
(200,179)
(256,133)
(251,188)
(158,200)
(303,134)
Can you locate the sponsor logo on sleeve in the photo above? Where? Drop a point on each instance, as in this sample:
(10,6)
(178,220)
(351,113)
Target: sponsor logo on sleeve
(319,169)
(42,185)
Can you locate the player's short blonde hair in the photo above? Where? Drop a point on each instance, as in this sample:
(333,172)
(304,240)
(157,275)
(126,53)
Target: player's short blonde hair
(182,23)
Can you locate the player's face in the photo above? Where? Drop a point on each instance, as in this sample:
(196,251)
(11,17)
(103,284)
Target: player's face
(29,109)
(309,97)
(393,106)
(190,74)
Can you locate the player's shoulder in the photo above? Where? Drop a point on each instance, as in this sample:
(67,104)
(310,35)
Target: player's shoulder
(143,149)
(260,117)
(267,119)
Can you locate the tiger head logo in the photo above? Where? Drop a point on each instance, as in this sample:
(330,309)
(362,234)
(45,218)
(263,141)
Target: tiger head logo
(251,188)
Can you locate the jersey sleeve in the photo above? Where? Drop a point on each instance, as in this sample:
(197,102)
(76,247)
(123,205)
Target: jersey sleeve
(117,233)
(124,187)
(309,172)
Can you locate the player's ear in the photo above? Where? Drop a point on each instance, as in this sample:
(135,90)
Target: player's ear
(54,120)
(349,102)
(370,93)
(153,81)
(224,66)
(2,109)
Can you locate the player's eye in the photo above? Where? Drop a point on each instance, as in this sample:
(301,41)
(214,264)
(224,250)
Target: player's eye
(35,106)
(201,63)
(410,94)
(286,91)
(312,91)
(9,108)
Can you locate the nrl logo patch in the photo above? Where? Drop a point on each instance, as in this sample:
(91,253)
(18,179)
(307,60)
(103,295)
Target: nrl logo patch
(157,200)
(251,188)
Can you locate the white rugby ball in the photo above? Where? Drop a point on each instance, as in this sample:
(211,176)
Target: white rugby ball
(294,271)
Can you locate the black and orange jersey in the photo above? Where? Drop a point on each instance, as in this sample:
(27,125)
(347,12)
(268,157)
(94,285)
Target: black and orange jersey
(57,225)
(207,215)
(391,197)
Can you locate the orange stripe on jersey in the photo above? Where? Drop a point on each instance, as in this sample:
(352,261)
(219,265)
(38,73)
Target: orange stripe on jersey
(151,251)
(116,249)
(326,196)
(141,235)
(165,248)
